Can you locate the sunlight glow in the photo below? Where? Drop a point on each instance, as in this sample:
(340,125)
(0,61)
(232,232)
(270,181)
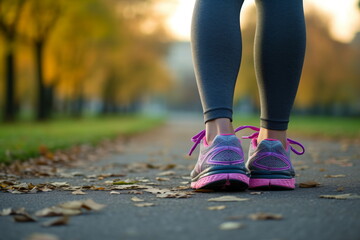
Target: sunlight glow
(344,15)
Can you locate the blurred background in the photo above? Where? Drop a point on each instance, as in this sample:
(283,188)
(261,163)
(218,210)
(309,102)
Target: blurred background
(98,57)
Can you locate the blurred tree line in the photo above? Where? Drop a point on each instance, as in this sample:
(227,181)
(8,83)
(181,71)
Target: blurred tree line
(330,79)
(56,56)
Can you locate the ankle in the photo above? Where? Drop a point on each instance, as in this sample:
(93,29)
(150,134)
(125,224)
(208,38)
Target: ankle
(217,127)
(272,134)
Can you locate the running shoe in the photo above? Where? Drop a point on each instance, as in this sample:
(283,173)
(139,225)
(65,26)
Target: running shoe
(269,163)
(221,165)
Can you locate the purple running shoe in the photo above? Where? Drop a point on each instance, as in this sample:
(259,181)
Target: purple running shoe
(220,166)
(269,163)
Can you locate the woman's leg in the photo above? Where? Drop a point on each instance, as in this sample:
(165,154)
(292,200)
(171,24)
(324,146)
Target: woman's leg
(279,54)
(216,47)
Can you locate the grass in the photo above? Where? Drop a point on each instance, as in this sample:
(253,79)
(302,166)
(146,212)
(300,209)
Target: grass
(22,140)
(314,126)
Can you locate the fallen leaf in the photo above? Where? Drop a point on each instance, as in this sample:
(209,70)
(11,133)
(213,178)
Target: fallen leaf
(265,216)
(204,190)
(34,190)
(114,192)
(309,184)
(45,189)
(42,236)
(335,176)
(181,187)
(57,222)
(144,204)
(340,189)
(166,173)
(78,192)
(162,179)
(60,184)
(220,207)
(231,225)
(341,196)
(57,211)
(15,192)
(136,199)
(24,217)
(75,205)
(186,177)
(227,199)
(89,204)
(135,192)
(125,182)
(6,212)
(255,193)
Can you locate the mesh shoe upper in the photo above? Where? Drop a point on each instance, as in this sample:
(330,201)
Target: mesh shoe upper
(224,154)
(269,155)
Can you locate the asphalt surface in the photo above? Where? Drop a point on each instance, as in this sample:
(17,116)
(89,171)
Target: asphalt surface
(305,214)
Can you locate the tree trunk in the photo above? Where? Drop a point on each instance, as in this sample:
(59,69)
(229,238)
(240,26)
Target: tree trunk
(9,108)
(41,113)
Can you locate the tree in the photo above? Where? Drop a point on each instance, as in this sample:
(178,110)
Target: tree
(40,19)
(10,12)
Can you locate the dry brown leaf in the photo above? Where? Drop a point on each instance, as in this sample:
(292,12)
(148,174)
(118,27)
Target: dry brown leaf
(255,193)
(57,211)
(166,173)
(89,204)
(161,179)
(309,184)
(42,236)
(24,217)
(181,188)
(6,212)
(128,187)
(135,192)
(136,199)
(114,192)
(186,177)
(265,216)
(76,205)
(341,196)
(335,176)
(45,189)
(78,192)
(64,220)
(16,192)
(60,184)
(227,199)
(220,207)
(231,225)
(144,204)
(204,190)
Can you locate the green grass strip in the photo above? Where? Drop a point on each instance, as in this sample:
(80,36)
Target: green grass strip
(314,126)
(22,140)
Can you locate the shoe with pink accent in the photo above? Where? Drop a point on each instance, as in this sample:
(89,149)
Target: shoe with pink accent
(269,163)
(221,165)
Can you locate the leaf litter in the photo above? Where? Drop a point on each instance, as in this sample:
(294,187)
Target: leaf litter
(220,207)
(309,184)
(228,199)
(231,226)
(341,196)
(265,216)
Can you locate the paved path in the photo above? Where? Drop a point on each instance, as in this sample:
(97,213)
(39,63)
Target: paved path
(305,215)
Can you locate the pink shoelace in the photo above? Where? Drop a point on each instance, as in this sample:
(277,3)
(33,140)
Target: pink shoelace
(198,137)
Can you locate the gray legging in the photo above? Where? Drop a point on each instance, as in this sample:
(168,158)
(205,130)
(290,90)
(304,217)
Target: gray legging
(279,54)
